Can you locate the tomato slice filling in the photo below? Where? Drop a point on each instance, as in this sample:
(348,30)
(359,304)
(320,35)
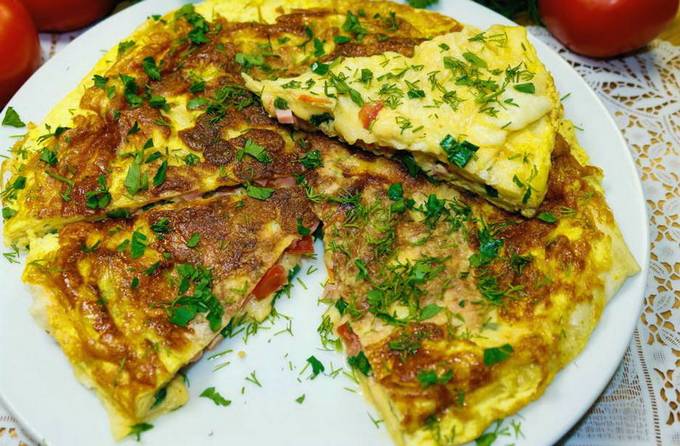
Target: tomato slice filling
(272,281)
(369,112)
(303,246)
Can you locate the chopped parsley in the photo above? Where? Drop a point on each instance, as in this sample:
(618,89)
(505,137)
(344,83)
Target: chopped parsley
(135,180)
(48,156)
(259,193)
(248,61)
(191,160)
(194,240)
(429,311)
(12,118)
(8,213)
(320,68)
(301,229)
(353,26)
(136,430)
(161,226)
(360,362)
(255,150)
(339,82)
(130,91)
(200,26)
(185,308)
(159,102)
(159,177)
(100,81)
(100,197)
(311,159)
(318,47)
(366,76)
(138,244)
(428,378)
(215,396)
(151,69)
(317,366)
(124,46)
(489,246)
(280,103)
(528,88)
(421,3)
(494,355)
(197,86)
(300,399)
(318,119)
(458,153)
(547,217)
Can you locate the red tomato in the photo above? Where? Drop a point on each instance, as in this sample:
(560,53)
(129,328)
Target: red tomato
(604,28)
(303,246)
(369,112)
(272,281)
(19,48)
(66,15)
(351,340)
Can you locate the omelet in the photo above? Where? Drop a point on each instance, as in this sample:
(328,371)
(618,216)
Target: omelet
(455,313)
(131,301)
(161,200)
(475,108)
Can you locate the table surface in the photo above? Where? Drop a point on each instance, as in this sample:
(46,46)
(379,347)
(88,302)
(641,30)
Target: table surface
(641,405)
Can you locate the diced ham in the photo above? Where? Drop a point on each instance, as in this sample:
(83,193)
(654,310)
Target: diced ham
(351,340)
(285,116)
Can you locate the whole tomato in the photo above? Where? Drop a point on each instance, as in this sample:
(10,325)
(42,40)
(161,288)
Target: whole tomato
(604,28)
(66,15)
(19,48)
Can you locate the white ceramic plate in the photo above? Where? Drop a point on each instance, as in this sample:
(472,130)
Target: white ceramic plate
(37,384)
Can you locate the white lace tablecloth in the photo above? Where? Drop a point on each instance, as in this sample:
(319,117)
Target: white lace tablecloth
(641,405)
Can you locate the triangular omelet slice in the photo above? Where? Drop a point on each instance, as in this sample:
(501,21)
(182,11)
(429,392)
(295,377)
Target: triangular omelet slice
(131,301)
(454,313)
(475,108)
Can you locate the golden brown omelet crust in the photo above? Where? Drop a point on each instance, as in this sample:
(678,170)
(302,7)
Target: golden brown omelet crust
(118,306)
(525,296)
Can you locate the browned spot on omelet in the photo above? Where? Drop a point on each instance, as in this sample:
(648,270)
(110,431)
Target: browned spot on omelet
(229,233)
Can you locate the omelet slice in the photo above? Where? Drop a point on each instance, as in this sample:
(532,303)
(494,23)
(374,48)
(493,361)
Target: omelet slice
(475,108)
(161,115)
(455,313)
(132,301)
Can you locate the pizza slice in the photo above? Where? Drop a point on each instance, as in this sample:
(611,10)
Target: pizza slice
(475,108)
(454,313)
(132,301)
